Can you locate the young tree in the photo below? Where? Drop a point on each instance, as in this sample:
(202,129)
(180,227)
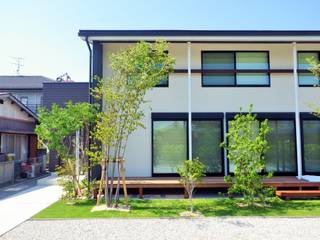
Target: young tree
(57,130)
(246,145)
(135,70)
(190,174)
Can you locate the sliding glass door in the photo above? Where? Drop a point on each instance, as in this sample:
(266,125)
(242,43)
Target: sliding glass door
(206,139)
(311,146)
(170,143)
(281,156)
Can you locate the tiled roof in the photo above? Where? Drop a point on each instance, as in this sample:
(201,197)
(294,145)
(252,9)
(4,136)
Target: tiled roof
(23,82)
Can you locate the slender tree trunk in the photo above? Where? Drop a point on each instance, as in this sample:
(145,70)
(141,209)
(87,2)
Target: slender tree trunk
(74,179)
(190,201)
(110,199)
(103,168)
(118,185)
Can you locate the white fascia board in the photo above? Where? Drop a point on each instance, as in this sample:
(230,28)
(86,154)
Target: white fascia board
(207,38)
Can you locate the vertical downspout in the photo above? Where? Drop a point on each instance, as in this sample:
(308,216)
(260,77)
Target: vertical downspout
(225,160)
(90,101)
(189,104)
(297,113)
(90,68)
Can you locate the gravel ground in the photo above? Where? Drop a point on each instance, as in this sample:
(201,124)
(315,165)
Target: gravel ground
(202,228)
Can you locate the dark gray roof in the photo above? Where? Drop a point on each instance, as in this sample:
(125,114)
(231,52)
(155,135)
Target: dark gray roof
(23,82)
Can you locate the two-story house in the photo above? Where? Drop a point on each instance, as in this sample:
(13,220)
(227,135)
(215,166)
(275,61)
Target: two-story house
(28,89)
(216,73)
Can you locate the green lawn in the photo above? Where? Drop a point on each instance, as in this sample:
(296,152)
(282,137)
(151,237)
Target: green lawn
(172,208)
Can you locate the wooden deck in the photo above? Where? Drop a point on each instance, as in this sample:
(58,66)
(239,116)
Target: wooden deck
(141,183)
(212,182)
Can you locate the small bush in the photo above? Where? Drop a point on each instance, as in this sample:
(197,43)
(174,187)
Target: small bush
(191,172)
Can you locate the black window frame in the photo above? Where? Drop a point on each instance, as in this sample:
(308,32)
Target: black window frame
(276,116)
(305,70)
(182,116)
(235,71)
(306,116)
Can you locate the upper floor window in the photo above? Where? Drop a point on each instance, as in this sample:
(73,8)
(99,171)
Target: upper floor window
(164,82)
(235,68)
(306,78)
(24,100)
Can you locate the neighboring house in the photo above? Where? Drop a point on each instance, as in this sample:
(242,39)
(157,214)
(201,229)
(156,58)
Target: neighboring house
(28,89)
(18,142)
(60,93)
(226,70)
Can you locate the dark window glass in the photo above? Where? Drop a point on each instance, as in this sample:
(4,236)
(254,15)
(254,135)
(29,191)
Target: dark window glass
(281,156)
(206,139)
(311,145)
(307,78)
(218,60)
(169,145)
(231,62)
(217,79)
(164,82)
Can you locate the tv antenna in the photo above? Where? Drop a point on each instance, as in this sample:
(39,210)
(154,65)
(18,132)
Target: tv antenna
(18,62)
(64,78)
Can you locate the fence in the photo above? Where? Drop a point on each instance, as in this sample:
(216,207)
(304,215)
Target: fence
(6,172)
(30,168)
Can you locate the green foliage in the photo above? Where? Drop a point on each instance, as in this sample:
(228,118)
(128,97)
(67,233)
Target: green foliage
(190,173)
(135,70)
(315,69)
(57,130)
(61,123)
(164,208)
(246,145)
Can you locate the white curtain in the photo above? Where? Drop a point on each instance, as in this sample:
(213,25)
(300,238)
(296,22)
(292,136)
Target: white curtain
(14,143)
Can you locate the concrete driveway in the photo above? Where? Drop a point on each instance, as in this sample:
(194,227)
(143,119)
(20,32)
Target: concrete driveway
(27,201)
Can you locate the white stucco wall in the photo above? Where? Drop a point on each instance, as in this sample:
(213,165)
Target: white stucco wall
(277,98)
(12,111)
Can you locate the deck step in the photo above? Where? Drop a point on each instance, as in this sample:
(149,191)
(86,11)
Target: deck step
(286,194)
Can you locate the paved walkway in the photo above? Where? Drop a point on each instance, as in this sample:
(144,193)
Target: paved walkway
(17,208)
(246,228)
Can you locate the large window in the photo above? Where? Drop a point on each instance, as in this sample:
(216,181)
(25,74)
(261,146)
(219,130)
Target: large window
(281,155)
(235,69)
(15,144)
(206,139)
(170,142)
(311,146)
(169,145)
(306,78)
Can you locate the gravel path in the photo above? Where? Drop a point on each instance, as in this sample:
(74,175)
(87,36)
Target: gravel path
(204,228)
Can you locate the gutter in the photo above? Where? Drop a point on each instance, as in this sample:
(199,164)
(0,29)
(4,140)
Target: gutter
(90,68)
(90,101)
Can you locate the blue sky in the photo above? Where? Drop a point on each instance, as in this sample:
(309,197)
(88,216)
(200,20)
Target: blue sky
(44,32)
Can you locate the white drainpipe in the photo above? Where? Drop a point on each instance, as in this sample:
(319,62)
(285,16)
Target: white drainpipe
(297,112)
(189,103)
